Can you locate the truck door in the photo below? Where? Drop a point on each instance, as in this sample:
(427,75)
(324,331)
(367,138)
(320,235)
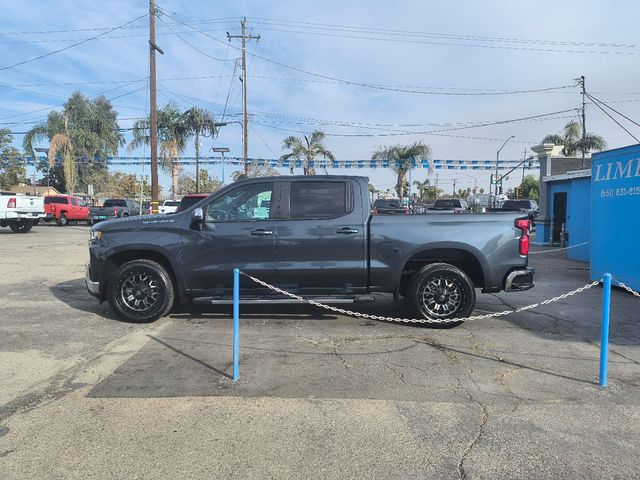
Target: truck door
(322,237)
(238,232)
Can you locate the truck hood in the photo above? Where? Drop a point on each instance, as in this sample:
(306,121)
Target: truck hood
(136,222)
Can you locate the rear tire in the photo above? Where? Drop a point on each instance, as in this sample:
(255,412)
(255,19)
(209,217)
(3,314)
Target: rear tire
(21,226)
(141,291)
(62,221)
(441,291)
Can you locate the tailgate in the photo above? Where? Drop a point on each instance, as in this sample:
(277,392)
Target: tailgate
(29,204)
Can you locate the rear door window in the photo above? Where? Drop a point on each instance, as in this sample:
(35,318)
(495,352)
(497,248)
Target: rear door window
(319,200)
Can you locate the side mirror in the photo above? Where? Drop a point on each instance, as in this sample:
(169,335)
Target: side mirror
(197,218)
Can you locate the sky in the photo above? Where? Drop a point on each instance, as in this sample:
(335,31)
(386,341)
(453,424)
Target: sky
(369,73)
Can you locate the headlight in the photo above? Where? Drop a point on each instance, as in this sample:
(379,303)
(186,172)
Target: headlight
(94,235)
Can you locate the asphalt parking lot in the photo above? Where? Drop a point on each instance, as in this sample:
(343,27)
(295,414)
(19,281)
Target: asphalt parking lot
(320,396)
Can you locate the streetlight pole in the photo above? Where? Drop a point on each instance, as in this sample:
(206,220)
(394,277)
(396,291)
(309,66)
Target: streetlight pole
(221,151)
(497,162)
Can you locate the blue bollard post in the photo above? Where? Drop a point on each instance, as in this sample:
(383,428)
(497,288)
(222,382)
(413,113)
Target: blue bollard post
(236,324)
(604,339)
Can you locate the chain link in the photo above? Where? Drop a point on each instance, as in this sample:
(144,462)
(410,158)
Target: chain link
(628,289)
(418,320)
(559,249)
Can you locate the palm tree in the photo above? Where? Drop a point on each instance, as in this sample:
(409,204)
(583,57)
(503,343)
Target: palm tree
(172,136)
(400,158)
(199,122)
(572,142)
(85,128)
(423,189)
(306,149)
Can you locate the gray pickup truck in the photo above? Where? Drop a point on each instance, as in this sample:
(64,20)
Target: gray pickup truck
(313,236)
(113,208)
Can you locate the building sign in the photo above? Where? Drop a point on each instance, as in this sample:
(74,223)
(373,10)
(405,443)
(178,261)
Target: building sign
(615,213)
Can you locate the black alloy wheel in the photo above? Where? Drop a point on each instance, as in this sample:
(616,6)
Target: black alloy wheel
(141,291)
(441,291)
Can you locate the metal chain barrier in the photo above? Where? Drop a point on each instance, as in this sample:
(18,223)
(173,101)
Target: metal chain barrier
(628,289)
(418,320)
(559,249)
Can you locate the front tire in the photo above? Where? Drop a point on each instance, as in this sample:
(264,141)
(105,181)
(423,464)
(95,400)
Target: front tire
(21,226)
(441,291)
(141,291)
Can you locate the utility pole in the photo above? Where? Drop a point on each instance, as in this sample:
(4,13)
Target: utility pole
(153,114)
(245,119)
(454,187)
(584,120)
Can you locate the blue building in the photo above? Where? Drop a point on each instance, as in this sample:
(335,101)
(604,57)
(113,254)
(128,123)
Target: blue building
(598,207)
(615,215)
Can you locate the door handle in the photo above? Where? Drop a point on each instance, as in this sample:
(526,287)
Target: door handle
(347,231)
(260,232)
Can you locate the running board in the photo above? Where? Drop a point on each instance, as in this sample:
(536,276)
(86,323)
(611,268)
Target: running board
(280,300)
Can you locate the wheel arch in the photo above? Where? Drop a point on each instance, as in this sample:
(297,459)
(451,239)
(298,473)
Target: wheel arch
(463,256)
(119,258)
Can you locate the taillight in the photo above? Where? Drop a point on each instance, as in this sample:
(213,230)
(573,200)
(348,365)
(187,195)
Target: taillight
(375,211)
(11,203)
(524,245)
(115,211)
(523,224)
(406,210)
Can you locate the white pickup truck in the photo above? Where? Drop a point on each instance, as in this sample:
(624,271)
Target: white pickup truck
(20,212)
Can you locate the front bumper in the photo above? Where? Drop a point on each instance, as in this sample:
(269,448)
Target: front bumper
(93,287)
(519,280)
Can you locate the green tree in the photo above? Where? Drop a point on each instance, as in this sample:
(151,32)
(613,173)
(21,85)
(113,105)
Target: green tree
(172,135)
(255,170)
(400,158)
(86,130)
(208,184)
(426,191)
(12,170)
(572,142)
(306,149)
(530,187)
(199,122)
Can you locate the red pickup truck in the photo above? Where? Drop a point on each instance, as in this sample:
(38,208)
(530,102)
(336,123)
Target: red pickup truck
(64,209)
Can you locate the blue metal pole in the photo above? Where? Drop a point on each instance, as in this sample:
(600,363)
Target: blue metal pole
(236,324)
(604,339)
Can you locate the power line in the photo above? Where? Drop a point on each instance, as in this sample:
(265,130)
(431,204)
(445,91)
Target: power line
(382,87)
(451,36)
(433,132)
(71,46)
(94,29)
(613,109)
(611,117)
(190,44)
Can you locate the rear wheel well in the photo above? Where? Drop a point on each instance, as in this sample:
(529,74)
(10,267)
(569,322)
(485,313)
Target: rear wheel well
(462,259)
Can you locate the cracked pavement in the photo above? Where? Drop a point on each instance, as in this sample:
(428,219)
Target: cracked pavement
(320,395)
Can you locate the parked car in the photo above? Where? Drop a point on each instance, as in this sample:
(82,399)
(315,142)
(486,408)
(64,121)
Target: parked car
(190,200)
(65,208)
(524,205)
(455,204)
(317,238)
(113,208)
(387,206)
(20,212)
(168,206)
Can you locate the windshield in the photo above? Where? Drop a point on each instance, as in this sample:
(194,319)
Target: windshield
(517,204)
